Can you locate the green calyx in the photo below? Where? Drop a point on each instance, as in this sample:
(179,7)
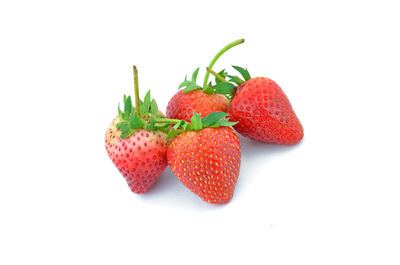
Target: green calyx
(213,120)
(143,115)
(243,71)
(226,87)
(190,85)
(130,119)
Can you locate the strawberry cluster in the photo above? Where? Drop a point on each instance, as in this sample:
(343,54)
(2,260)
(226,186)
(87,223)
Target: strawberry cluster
(196,138)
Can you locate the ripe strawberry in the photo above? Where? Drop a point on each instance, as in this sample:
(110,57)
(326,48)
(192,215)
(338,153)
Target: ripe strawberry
(206,158)
(262,110)
(203,100)
(183,104)
(141,158)
(136,143)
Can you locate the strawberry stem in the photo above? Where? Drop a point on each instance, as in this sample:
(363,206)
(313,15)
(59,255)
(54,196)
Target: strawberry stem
(136,85)
(222,51)
(170,121)
(216,75)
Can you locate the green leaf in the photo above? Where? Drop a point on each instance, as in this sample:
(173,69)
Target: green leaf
(209,90)
(190,85)
(147,99)
(222,73)
(182,125)
(196,121)
(243,72)
(194,75)
(213,118)
(184,83)
(127,105)
(125,130)
(135,122)
(154,107)
(186,126)
(123,126)
(190,88)
(235,79)
(179,124)
(127,133)
(119,111)
(223,88)
(173,134)
(226,122)
(145,107)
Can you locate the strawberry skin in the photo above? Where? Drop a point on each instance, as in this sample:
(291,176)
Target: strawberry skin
(182,105)
(207,162)
(141,157)
(264,113)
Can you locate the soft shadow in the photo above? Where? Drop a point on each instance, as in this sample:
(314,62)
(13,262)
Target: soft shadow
(254,154)
(168,191)
(251,148)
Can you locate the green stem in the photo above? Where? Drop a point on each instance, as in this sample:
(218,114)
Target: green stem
(216,75)
(227,47)
(170,121)
(136,85)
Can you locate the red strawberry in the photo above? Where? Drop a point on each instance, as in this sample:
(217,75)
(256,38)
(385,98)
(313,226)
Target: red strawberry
(207,160)
(136,142)
(203,100)
(260,107)
(264,113)
(182,105)
(141,157)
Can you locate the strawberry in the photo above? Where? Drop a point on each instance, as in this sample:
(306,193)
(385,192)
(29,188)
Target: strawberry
(261,108)
(136,143)
(141,158)
(205,157)
(203,100)
(183,104)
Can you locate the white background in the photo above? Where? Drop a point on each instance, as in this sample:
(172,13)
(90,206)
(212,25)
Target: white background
(332,199)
